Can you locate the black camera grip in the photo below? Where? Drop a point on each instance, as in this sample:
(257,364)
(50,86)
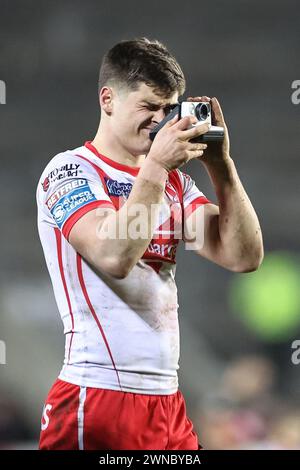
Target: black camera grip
(175,110)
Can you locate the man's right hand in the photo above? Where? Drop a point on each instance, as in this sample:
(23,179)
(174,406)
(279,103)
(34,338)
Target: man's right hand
(171,148)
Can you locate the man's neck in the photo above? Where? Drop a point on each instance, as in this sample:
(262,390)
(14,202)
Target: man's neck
(113,150)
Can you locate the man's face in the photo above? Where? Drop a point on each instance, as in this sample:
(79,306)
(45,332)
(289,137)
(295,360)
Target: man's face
(135,113)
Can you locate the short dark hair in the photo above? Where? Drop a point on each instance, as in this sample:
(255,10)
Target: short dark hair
(136,61)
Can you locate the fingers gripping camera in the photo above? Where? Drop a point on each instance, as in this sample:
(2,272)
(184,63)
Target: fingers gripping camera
(201,110)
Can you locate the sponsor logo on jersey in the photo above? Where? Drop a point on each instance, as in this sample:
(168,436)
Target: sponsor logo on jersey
(117,189)
(65,189)
(46,184)
(68,199)
(59,212)
(70,170)
(165,250)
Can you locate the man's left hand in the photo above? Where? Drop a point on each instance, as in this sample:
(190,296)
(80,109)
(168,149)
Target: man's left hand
(218,150)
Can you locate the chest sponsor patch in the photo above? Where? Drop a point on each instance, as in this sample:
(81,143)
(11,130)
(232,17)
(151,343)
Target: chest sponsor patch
(68,199)
(117,189)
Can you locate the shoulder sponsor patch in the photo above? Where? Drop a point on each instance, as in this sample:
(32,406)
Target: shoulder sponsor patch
(69,170)
(68,198)
(46,184)
(65,189)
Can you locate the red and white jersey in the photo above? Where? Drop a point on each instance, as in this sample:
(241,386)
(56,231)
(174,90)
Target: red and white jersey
(121,334)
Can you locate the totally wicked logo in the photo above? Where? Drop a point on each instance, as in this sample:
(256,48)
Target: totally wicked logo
(46,184)
(70,170)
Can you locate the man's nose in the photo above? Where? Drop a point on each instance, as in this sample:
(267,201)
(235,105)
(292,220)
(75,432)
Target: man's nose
(159,115)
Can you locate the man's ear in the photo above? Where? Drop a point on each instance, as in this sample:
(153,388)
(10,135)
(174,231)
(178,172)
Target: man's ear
(106,99)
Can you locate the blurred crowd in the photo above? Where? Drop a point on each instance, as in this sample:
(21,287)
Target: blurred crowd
(15,431)
(246,412)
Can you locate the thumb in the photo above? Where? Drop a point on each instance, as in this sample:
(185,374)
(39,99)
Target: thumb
(217,113)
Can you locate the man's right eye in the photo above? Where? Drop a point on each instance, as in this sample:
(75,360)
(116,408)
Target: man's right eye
(169,108)
(152,107)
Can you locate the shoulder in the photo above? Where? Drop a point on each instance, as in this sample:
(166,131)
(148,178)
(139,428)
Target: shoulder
(69,164)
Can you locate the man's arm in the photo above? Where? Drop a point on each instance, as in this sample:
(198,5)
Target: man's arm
(232,234)
(118,255)
(96,235)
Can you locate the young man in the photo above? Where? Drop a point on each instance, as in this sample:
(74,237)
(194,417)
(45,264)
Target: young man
(106,215)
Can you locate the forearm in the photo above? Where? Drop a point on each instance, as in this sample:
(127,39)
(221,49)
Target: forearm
(240,238)
(128,232)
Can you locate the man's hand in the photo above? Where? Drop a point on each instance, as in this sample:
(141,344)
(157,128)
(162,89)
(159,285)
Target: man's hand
(172,147)
(215,151)
(232,235)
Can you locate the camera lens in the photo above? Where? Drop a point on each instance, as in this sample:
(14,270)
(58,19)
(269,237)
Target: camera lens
(202,111)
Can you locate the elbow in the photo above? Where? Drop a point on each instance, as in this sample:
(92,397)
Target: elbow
(247,268)
(119,273)
(116,269)
(250,262)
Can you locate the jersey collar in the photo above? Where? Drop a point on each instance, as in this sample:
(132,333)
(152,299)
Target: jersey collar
(134,171)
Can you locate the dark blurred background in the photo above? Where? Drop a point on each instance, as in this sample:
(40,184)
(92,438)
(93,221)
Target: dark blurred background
(240,381)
